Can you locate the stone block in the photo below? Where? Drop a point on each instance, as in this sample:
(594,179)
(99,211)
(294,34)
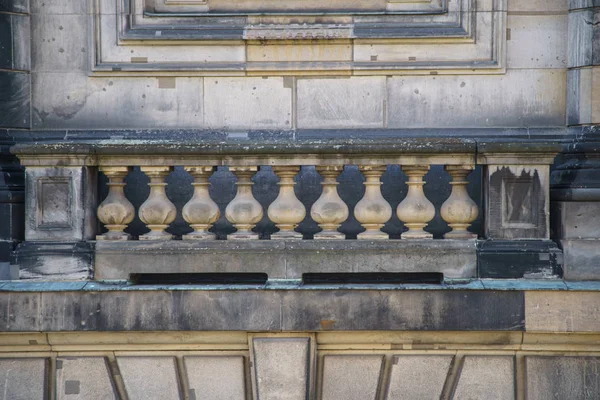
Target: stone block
(54,261)
(557,378)
(515,259)
(418,377)
(520,98)
(14,99)
(486,377)
(60,43)
(351,377)
(19,312)
(313,52)
(74,100)
(12,217)
(216,377)
(285,259)
(248,103)
(282,368)
(516,202)
(562,311)
(23,379)
(344,309)
(16,6)
(579,96)
(576,219)
(82,378)
(149,378)
(60,203)
(59,7)
(582,259)
(537,41)
(595,94)
(356,102)
(581,38)
(537,6)
(8,272)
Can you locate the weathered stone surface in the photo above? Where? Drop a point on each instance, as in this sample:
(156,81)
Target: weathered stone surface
(517,203)
(562,311)
(14,99)
(20,312)
(486,377)
(148,378)
(248,103)
(492,100)
(557,378)
(576,219)
(81,378)
(216,377)
(285,259)
(581,38)
(386,310)
(419,377)
(532,259)
(282,368)
(526,34)
(582,259)
(537,5)
(341,102)
(351,377)
(579,96)
(22,379)
(72,99)
(20,6)
(54,261)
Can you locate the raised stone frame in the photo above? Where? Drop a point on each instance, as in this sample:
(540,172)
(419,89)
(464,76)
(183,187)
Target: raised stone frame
(342,37)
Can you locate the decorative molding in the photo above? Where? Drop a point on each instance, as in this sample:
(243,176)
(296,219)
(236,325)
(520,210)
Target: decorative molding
(191,37)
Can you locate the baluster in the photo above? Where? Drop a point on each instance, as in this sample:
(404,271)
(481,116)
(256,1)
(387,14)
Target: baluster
(415,210)
(286,211)
(244,212)
(373,211)
(115,212)
(157,212)
(329,211)
(459,211)
(201,212)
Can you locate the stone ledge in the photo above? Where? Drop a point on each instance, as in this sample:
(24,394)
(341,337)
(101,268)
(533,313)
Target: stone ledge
(286,259)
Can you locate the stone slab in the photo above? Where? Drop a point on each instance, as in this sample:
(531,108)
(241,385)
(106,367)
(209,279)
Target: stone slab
(486,377)
(341,102)
(15,95)
(20,312)
(418,377)
(54,261)
(582,259)
(23,379)
(490,100)
(351,377)
(282,368)
(82,378)
(579,96)
(286,259)
(537,41)
(557,378)
(562,311)
(387,310)
(248,103)
(149,378)
(576,219)
(216,377)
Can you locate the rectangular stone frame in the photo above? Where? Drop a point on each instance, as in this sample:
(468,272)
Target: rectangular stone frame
(168,37)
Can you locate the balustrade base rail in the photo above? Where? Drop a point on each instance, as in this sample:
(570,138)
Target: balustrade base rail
(285,259)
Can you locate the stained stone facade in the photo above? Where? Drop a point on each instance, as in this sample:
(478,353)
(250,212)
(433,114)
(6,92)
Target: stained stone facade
(281,200)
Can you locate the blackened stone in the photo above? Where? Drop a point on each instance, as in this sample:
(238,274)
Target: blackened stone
(15,91)
(519,259)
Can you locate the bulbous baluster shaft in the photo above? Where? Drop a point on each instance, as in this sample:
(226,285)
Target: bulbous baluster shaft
(115,212)
(329,211)
(459,211)
(244,212)
(286,211)
(201,212)
(415,210)
(157,212)
(373,211)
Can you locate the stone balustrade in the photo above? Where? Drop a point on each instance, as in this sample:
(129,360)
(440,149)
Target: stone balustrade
(286,211)
(243,190)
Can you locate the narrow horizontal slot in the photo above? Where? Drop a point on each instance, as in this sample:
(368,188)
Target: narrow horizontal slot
(232,278)
(372,278)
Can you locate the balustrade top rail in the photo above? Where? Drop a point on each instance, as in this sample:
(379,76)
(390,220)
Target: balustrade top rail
(406,151)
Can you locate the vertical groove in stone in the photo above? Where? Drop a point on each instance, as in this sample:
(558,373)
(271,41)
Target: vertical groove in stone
(453,376)
(116,378)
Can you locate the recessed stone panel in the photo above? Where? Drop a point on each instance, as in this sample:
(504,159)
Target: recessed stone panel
(558,378)
(82,378)
(351,377)
(149,378)
(486,377)
(216,377)
(418,377)
(23,379)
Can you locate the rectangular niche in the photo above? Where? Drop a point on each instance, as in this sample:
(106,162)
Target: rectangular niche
(300,37)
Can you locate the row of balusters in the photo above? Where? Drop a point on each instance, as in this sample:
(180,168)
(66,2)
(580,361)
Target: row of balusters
(244,211)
